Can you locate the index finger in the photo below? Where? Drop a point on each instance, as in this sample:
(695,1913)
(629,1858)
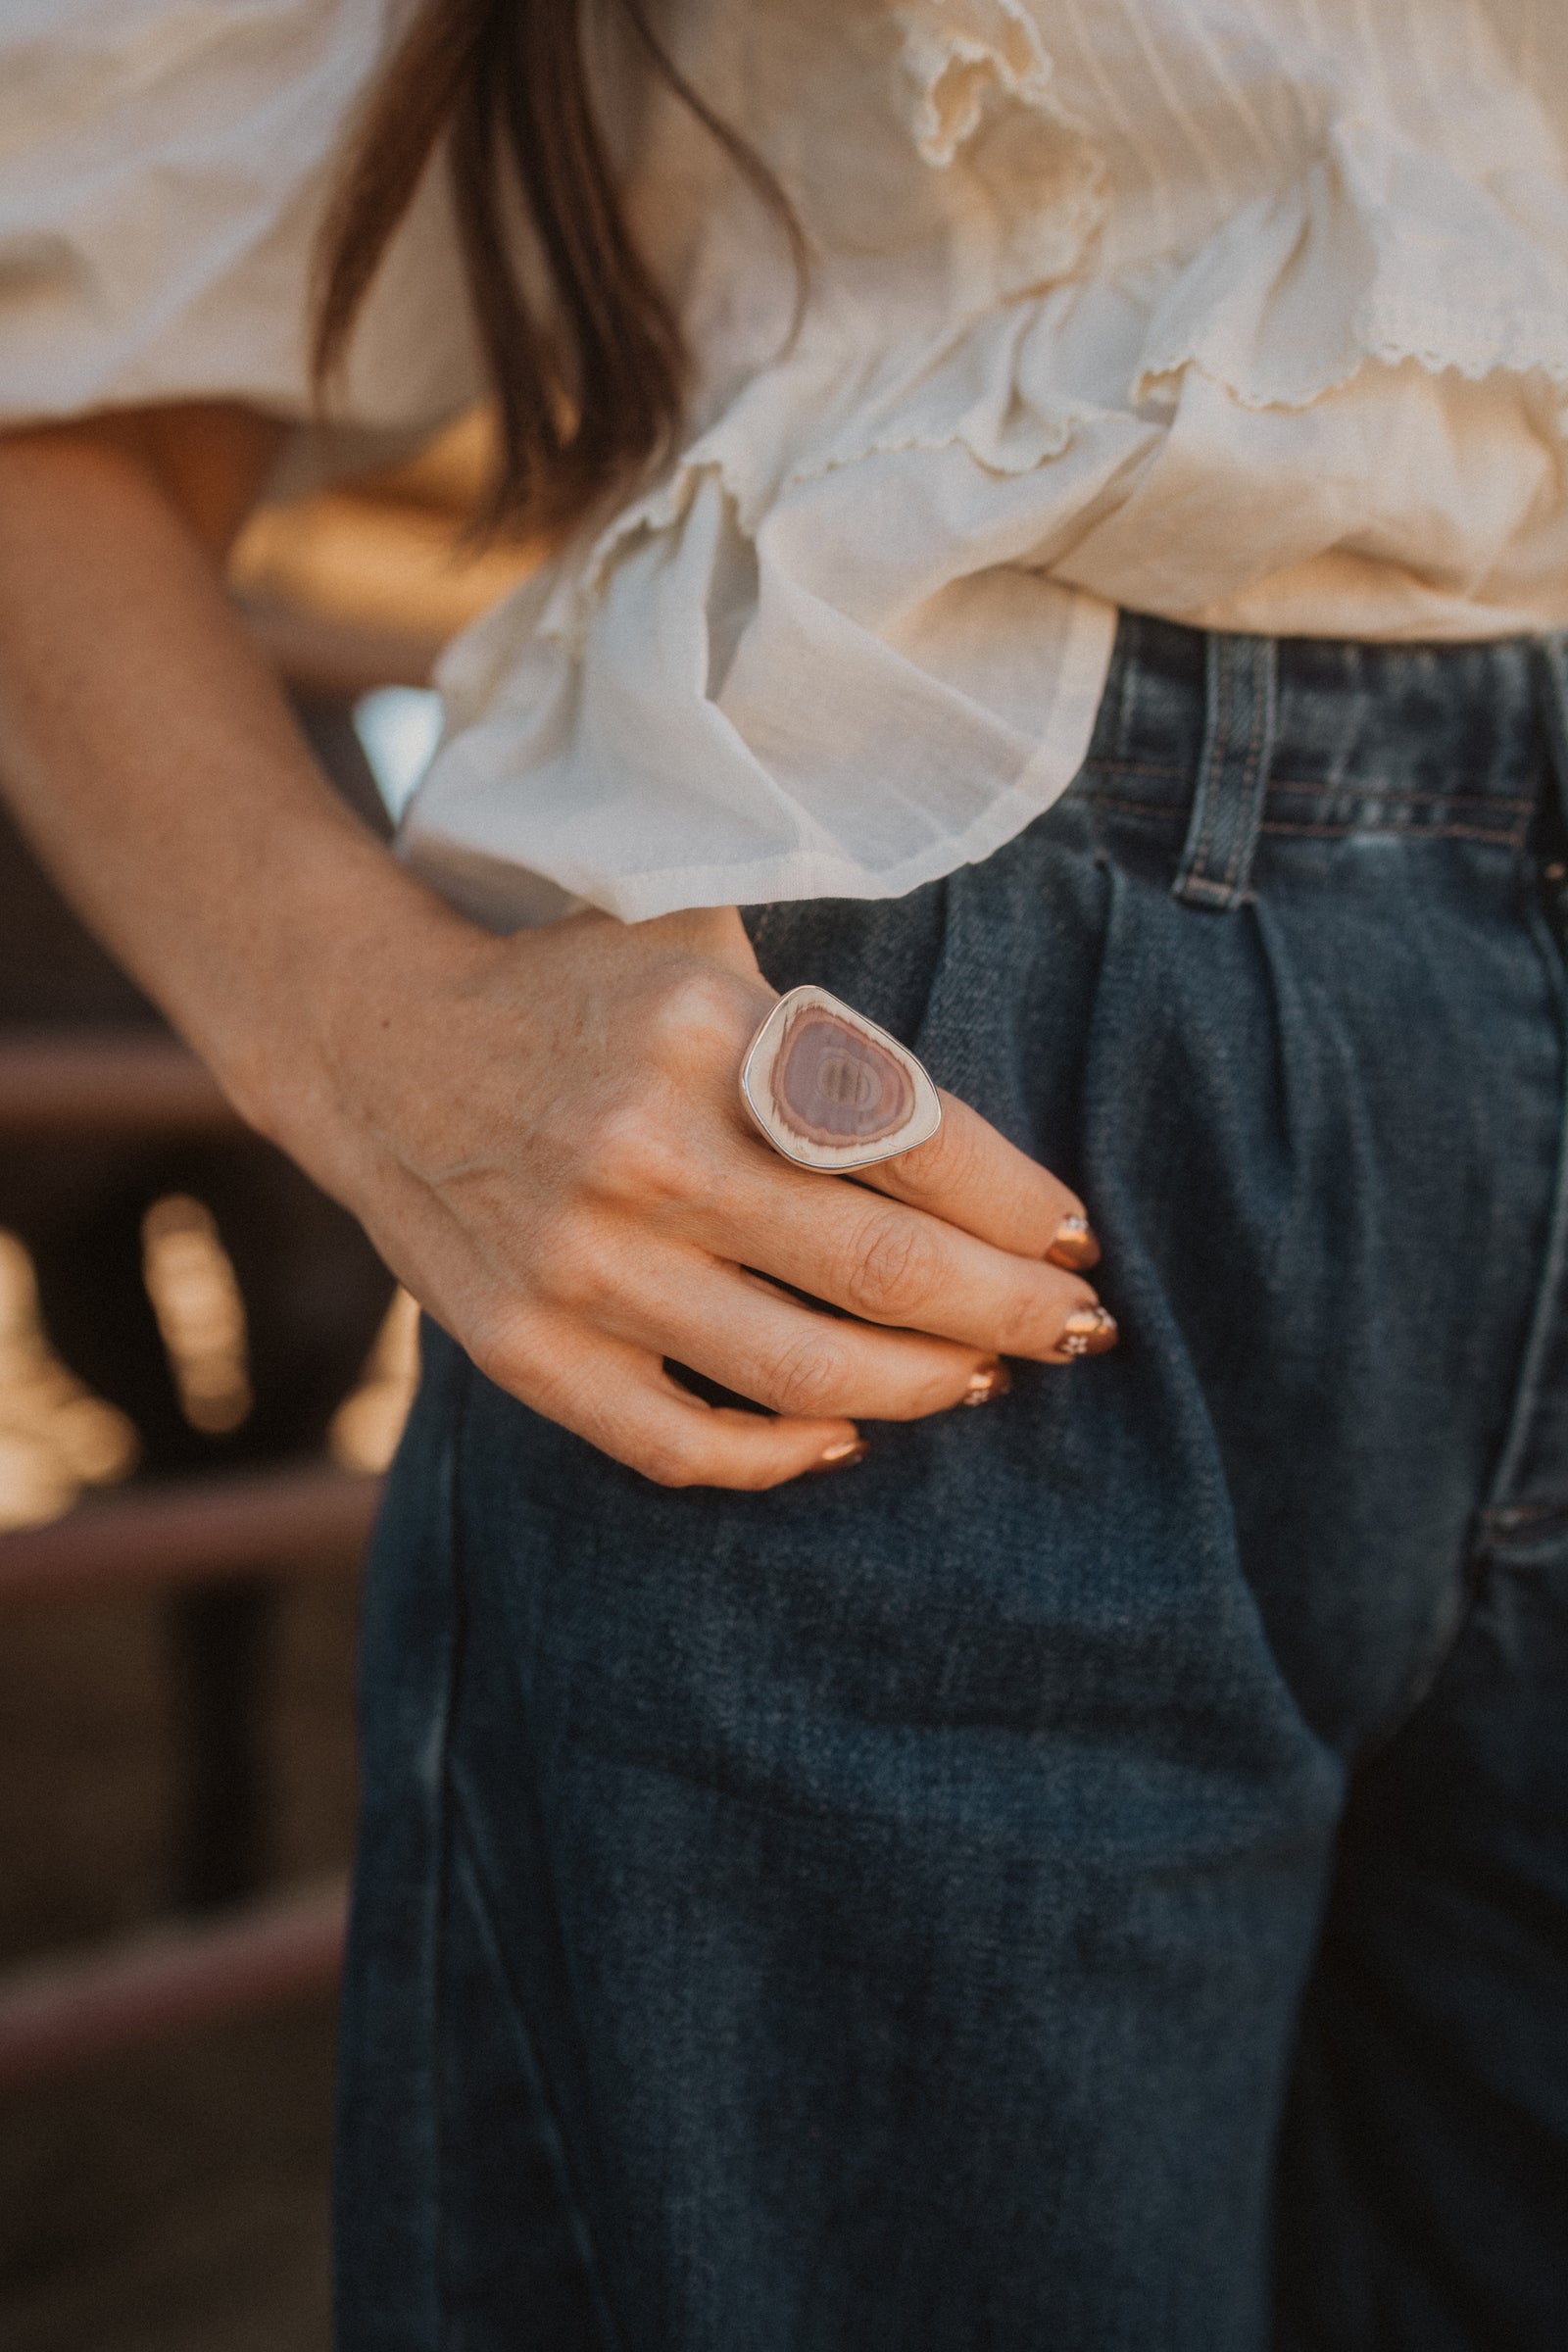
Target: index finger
(972,1177)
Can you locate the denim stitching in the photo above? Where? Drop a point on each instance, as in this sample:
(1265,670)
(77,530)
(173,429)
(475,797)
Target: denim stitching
(1191,875)
(1400,798)
(1136,767)
(1245,828)
(1503,841)
(1327,832)
(1196,876)
(1228,792)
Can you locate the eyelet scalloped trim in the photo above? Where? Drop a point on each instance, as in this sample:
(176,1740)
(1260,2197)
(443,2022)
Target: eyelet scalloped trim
(1373,254)
(1517,346)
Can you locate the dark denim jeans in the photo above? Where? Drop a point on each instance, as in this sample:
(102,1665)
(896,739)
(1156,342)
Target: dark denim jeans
(1095,1875)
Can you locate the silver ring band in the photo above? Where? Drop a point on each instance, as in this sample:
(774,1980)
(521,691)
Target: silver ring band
(830,1090)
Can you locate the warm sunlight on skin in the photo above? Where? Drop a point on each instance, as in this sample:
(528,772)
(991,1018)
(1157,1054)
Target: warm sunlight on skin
(541,1133)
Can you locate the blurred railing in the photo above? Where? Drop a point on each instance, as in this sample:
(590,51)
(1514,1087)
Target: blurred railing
(348,593)
(75,2006)
(193,1530)
(97,1082)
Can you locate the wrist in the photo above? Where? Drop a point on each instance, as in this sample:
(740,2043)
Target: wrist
(360,952)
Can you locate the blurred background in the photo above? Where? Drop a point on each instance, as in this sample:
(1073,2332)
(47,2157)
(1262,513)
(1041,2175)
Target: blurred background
(203,1373)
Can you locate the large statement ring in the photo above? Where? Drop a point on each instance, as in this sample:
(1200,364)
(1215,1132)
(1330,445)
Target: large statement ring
(830,1090)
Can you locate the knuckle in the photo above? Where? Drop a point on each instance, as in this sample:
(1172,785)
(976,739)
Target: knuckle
(556,1252)
(692,1016)
(806,1377)
(670,1460)
(893,1266)
(948,1162)
(633,1153)
(499,1354)
(576,1272)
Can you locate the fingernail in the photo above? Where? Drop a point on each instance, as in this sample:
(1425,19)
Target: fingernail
(1074,1246)
(991,1379)
(1088,1331)
(842,1453)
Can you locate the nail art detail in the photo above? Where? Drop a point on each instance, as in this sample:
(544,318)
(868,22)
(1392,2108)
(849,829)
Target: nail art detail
(989,1379)
(841,1454)
(1074,1246)
(1088,1331)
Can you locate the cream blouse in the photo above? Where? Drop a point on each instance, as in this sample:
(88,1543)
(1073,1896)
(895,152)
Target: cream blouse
(1249,313)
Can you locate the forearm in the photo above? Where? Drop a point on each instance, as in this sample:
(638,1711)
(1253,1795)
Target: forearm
(542,1136)
(148,755)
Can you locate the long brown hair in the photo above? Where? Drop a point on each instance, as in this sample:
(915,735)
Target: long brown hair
(504,86)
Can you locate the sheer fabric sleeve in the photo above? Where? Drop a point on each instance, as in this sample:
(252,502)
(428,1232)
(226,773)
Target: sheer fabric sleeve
(1265,332)
(164,165)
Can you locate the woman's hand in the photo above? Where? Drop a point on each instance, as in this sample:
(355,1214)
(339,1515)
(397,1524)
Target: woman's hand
(543,1135)
(545,1138)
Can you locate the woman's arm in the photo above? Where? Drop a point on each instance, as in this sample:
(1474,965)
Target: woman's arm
(542,1134)
(144,745)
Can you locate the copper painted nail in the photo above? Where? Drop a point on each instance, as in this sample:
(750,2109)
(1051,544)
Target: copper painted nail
(842,1453)
(1074,1246)
(989,1379)
(1088,1331)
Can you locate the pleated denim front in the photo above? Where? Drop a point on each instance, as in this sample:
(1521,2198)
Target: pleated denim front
(1093,1876)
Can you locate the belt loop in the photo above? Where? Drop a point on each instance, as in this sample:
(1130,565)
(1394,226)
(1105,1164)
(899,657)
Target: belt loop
(1551,673)
(1216,868)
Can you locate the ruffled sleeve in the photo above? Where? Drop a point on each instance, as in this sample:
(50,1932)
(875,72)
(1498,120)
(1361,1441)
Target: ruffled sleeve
(1374,252)
(163,169)
(819,661)
(1267,332)
(820,658)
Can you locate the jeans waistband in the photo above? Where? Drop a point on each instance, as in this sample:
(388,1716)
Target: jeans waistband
(1314,737)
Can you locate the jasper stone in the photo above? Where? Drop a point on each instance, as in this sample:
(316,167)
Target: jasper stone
(832,1091)
(832,1084)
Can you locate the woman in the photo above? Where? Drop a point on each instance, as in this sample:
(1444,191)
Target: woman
(1090,1872)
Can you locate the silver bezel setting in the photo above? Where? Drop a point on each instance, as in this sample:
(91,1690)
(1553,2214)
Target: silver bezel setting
(833,1160)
